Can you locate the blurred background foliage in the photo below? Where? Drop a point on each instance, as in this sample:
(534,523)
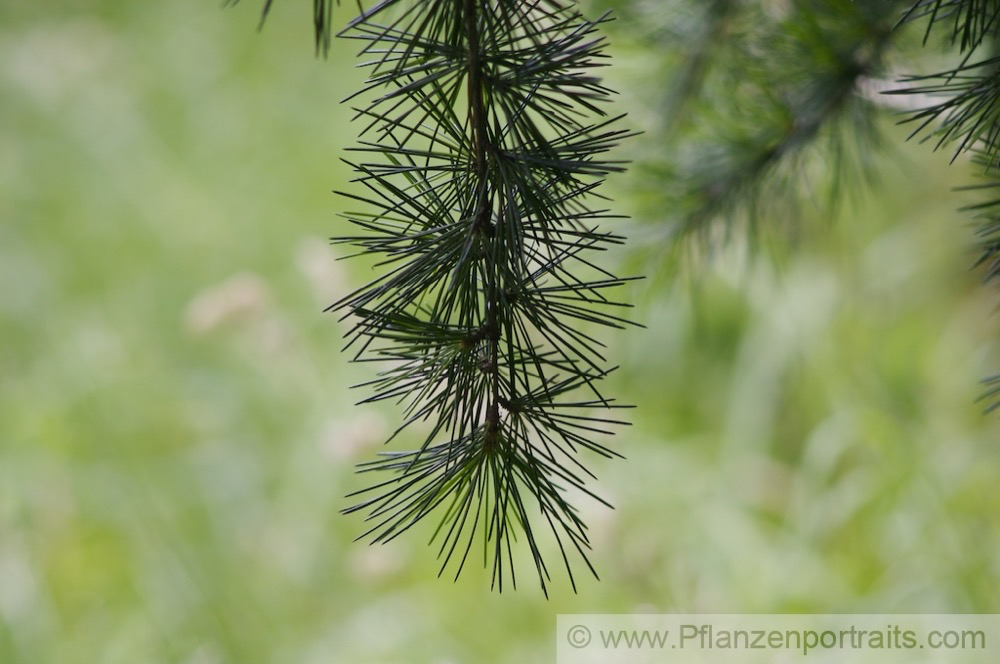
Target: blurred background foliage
(176,426)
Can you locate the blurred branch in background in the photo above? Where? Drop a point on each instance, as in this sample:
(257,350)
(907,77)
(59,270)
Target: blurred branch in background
(753,107)
(766,105)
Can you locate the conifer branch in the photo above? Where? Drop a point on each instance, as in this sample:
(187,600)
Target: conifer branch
(481,147)
(484,309)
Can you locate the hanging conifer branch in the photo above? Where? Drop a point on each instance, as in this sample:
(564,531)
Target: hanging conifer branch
(481,148)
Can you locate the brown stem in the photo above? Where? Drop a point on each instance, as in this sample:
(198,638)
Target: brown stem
(478,121)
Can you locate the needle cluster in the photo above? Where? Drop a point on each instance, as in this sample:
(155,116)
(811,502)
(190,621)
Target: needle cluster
(483,138)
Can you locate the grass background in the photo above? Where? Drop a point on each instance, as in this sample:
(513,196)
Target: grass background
(177,436)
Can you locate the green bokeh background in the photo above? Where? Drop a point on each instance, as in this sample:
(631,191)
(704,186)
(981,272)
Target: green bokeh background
(177,433)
